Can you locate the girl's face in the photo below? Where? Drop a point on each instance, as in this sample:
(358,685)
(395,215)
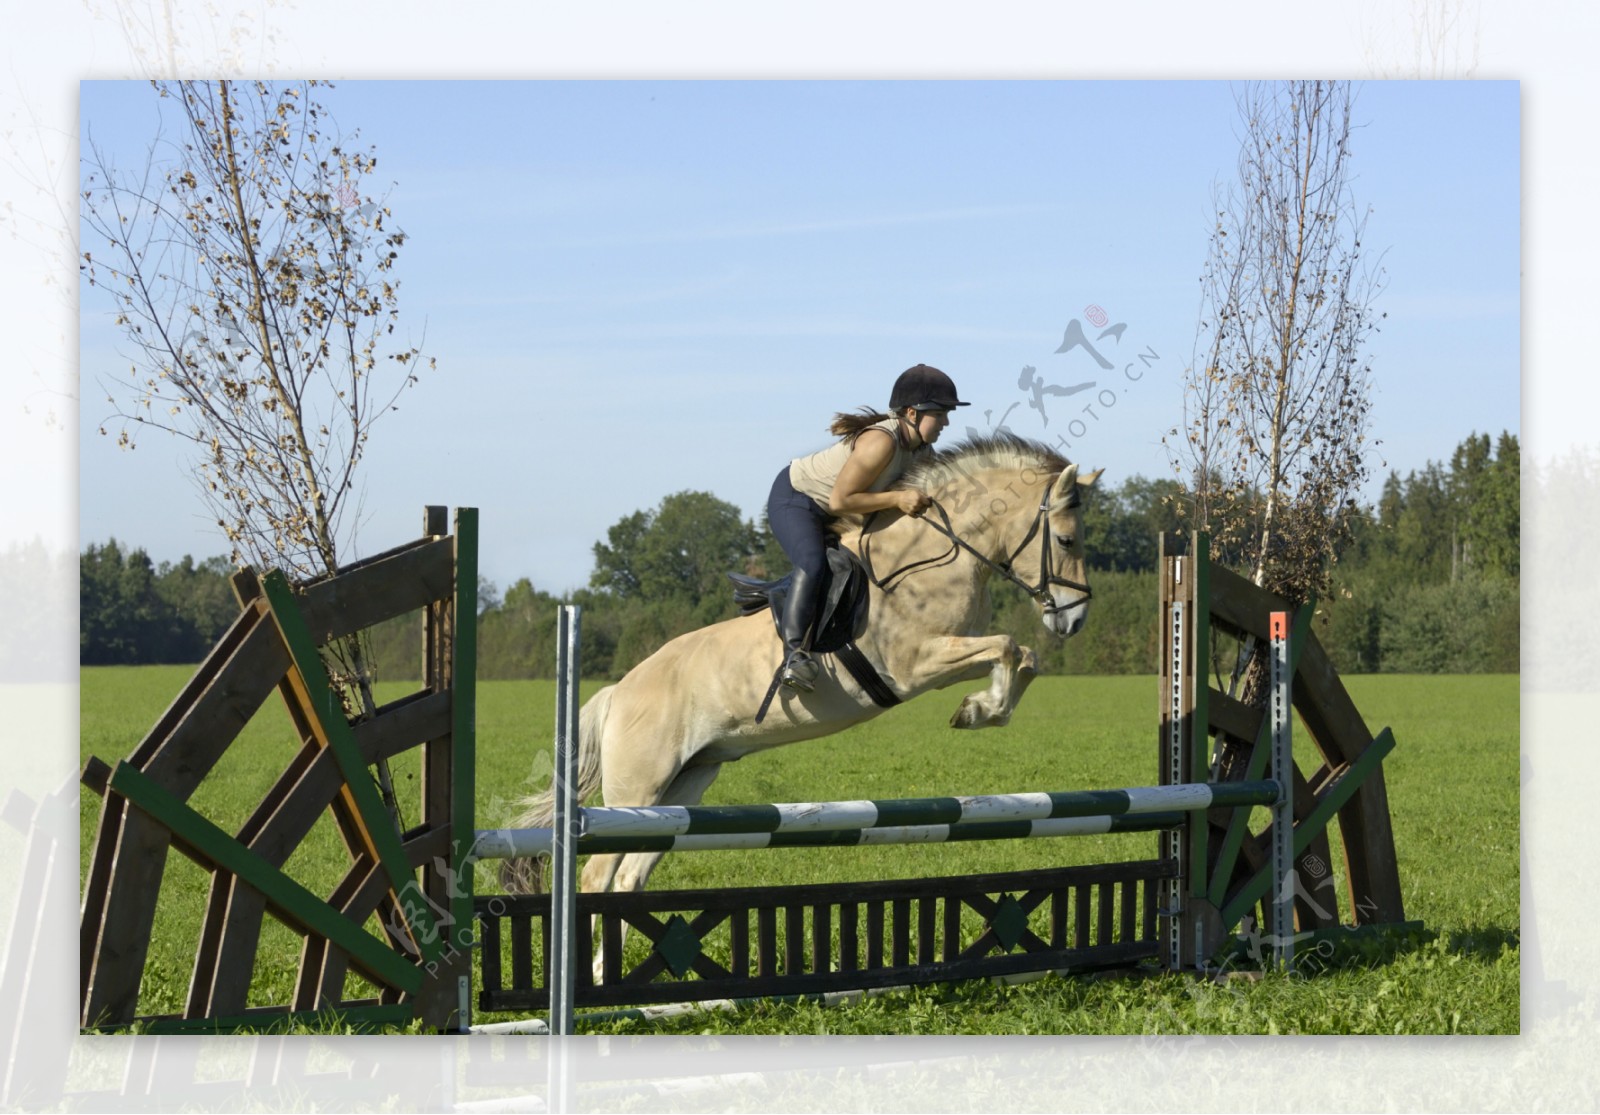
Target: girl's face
(929,424)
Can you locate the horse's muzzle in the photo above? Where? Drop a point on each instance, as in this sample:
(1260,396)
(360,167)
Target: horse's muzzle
(1067,621)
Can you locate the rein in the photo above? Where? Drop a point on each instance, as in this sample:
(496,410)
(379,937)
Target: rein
(1047,575)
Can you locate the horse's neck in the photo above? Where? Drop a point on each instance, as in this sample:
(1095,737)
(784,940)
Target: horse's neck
(901,541)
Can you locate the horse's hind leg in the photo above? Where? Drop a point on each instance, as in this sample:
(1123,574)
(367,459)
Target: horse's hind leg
(631,871)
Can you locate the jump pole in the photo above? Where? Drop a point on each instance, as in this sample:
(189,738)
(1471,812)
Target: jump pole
(566,824)
(895,821)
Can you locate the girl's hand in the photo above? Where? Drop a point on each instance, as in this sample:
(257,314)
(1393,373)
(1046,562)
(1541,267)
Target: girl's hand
(912,502)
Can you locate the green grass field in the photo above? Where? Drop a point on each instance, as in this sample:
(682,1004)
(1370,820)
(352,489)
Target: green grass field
(1453,790)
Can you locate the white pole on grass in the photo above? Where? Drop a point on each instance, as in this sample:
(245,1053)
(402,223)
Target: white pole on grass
(567,825)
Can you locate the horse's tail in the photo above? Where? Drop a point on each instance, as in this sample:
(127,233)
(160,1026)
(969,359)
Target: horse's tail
(526,876)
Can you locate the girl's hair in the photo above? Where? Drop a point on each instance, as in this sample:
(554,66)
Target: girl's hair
(848,424)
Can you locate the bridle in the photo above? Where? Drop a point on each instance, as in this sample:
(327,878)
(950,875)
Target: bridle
(1041,525)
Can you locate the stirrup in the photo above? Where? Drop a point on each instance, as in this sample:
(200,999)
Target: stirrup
(800,672)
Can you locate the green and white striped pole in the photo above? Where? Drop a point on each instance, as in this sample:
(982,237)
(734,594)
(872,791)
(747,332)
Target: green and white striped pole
(896,821)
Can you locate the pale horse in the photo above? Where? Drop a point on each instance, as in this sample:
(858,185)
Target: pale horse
(660,735)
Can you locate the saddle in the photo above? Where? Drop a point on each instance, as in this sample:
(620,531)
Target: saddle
(841,618)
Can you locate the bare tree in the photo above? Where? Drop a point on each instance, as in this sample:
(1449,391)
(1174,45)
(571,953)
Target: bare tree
(1277,400)
(1441,37)
(254,282)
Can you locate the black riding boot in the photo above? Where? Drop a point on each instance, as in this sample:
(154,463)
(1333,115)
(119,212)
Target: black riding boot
(799,609)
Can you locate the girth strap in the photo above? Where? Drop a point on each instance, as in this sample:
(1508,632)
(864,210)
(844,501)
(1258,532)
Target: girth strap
(857,665)
(852,659)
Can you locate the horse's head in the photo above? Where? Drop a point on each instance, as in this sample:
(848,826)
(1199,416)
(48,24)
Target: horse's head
(1063,585)
(1017,507)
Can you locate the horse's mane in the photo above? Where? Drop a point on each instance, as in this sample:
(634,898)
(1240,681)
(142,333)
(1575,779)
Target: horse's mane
(1003,450)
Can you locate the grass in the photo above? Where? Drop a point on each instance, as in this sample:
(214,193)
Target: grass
(1453,791)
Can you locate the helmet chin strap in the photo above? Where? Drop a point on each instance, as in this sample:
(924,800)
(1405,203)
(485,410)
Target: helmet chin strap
(912,425)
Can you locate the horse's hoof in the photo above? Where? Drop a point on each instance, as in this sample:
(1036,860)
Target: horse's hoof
(971,714)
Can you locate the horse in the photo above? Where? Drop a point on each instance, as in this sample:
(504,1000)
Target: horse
(1001,505)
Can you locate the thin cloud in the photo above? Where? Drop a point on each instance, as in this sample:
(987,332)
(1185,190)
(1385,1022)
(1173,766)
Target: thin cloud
(834,224)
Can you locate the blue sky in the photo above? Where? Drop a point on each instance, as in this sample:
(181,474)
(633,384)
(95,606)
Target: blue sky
(636,288)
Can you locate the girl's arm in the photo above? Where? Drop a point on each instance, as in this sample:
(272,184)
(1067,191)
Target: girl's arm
(869,457)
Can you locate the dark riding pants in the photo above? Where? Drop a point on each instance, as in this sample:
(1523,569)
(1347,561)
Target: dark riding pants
(799,524)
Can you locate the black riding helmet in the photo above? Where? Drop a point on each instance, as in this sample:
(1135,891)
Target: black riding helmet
(926,388)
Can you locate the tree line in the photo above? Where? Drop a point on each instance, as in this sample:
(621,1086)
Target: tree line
(1428,583)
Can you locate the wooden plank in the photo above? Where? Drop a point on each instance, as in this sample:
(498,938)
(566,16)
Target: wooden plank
(1325,707)
(198,686)
(1112,956)
(1059,908)
(489,977)
(927,932)
(739,943)
(96,890)
(900,933)
(584,976)
(437,763)
(316,982)
(952,928)
(401,725)
(204,976)
(1235,719)
(196,736)
(464,714)
(1336,796)
(849,951)
(731,898)
(1128,907)
(367,1016)
(1241,608)
(379,837)
(362,892)
(1080,925)
(121,939)
(231,929)
(1373,868)
(1312,911)
(176,755)
(766,941)
(368,593)
(290,900)
(875,911)
(1365,826)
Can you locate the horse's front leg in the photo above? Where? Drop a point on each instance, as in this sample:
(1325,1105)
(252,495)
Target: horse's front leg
(1010,666)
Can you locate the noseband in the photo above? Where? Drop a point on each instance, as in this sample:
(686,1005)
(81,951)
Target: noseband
(1047,574)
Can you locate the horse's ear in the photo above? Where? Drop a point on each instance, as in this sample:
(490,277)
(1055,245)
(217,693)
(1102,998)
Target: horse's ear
(1070,486)
(1065,492)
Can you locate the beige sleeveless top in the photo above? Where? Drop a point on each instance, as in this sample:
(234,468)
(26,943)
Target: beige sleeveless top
(816,474)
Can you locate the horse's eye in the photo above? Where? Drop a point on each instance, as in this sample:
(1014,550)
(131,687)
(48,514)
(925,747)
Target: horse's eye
(1065,541)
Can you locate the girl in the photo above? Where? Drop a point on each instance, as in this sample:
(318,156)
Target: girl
(849,478)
